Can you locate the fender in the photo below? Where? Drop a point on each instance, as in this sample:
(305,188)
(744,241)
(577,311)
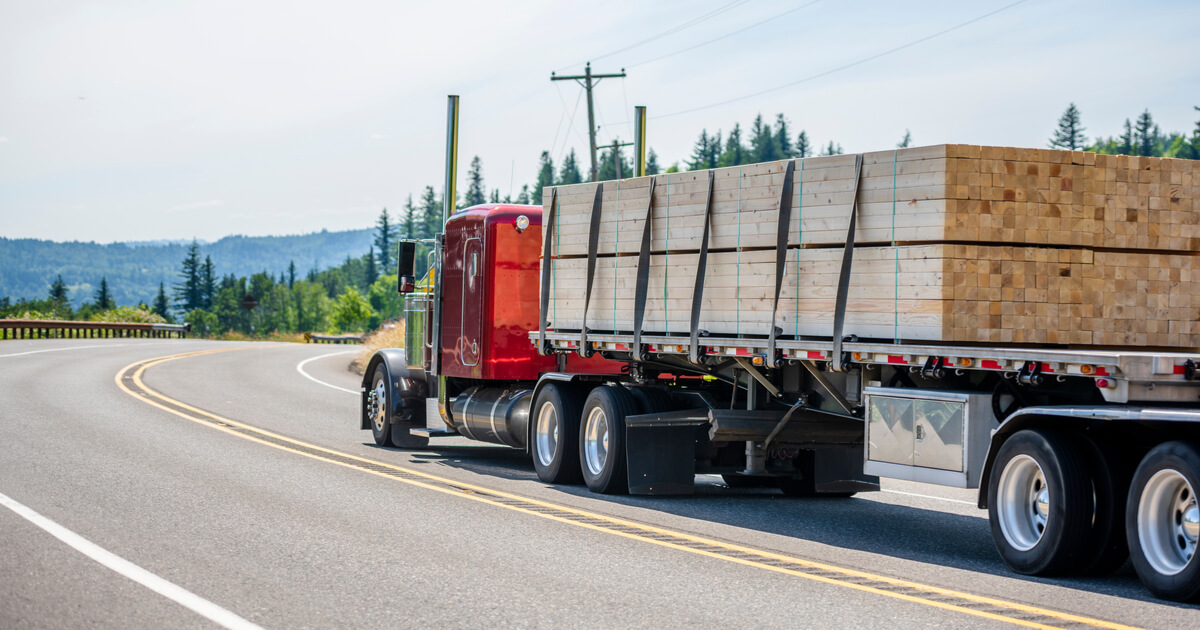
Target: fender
(1074,419)
(407,388)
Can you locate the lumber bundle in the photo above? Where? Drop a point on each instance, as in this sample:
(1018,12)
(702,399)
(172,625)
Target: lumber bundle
(956,243)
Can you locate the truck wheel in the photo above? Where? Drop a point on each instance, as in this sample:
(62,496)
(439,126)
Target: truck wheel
(1162,522)
(377,407)
(555,433)
(804,484)
(602,439)
(651,399)
(1040,503)
(804,487)
(747,481)
(1106,548)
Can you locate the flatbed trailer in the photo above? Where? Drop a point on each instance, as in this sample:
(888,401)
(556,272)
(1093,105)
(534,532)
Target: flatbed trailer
(1083,457)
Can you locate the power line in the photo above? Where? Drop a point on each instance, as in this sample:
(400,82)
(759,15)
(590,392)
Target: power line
(690,23)
(715,39)
(571,124)
(847,66)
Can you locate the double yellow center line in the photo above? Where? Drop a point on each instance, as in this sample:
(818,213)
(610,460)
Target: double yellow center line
(129,379)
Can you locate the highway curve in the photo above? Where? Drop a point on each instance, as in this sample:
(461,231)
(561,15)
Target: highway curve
(230,488)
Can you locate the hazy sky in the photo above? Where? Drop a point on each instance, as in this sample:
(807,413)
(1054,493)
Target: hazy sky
(173,120)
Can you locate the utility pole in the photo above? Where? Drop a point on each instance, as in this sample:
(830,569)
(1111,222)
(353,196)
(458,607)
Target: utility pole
(588,81)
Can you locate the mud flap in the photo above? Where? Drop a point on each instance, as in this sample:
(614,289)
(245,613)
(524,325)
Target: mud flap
(661,451)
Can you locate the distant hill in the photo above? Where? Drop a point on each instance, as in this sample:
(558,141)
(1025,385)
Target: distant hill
(133,270)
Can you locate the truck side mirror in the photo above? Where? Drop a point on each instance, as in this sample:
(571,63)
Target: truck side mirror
(406,257)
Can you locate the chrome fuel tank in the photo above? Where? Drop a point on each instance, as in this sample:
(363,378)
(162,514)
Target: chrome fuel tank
(493,414)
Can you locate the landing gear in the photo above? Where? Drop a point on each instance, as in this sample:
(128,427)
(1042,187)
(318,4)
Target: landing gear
(1162,521)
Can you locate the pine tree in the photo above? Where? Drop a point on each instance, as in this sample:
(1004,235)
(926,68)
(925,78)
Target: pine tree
(371,272)
(188,292)
(782,138)
(58,290)
(385,239)
(569,173)
(161,306)
(906,141)
(803,145)
(1069,134)
(291,280)
(1146,135)
(103,298)
(475,194)
(524,196)
(832,149)
(495,198)
(409,226)
(545,177)
(735,150)
(1126,146)
(706,152)
(652,163)
(763,145)
(208,284)
(431,213)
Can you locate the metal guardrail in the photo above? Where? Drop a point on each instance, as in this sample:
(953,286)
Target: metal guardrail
(59,329)
(316,338)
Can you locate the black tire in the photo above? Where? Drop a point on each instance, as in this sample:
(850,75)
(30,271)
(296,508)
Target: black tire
(556,459)
(804,487)
(1149,529)
(651,399)
(602,439)
(747,481)
(379,410)
(1030,464)
(1106,549)
(804,484)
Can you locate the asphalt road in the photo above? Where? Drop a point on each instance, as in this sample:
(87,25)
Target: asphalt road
(235,530)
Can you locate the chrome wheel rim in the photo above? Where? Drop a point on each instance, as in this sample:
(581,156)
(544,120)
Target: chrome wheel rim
(1024,502)
(547,433)
(1168,522)
(378,407)
(595,441)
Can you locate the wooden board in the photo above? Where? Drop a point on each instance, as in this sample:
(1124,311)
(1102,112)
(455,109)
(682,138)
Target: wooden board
(958,193)
(944,292)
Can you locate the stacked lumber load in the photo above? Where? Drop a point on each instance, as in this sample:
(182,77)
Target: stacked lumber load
(954,243)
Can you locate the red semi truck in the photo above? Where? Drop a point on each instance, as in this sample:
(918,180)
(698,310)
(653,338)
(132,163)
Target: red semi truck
(1083,458)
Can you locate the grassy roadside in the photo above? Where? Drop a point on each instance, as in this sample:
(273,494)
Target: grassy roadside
(389,335)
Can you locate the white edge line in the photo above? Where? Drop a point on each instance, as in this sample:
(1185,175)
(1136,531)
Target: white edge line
(171,591)
(20,354)
(928,496)
(300,369)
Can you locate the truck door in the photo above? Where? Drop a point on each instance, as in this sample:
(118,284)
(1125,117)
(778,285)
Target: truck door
(472,301)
